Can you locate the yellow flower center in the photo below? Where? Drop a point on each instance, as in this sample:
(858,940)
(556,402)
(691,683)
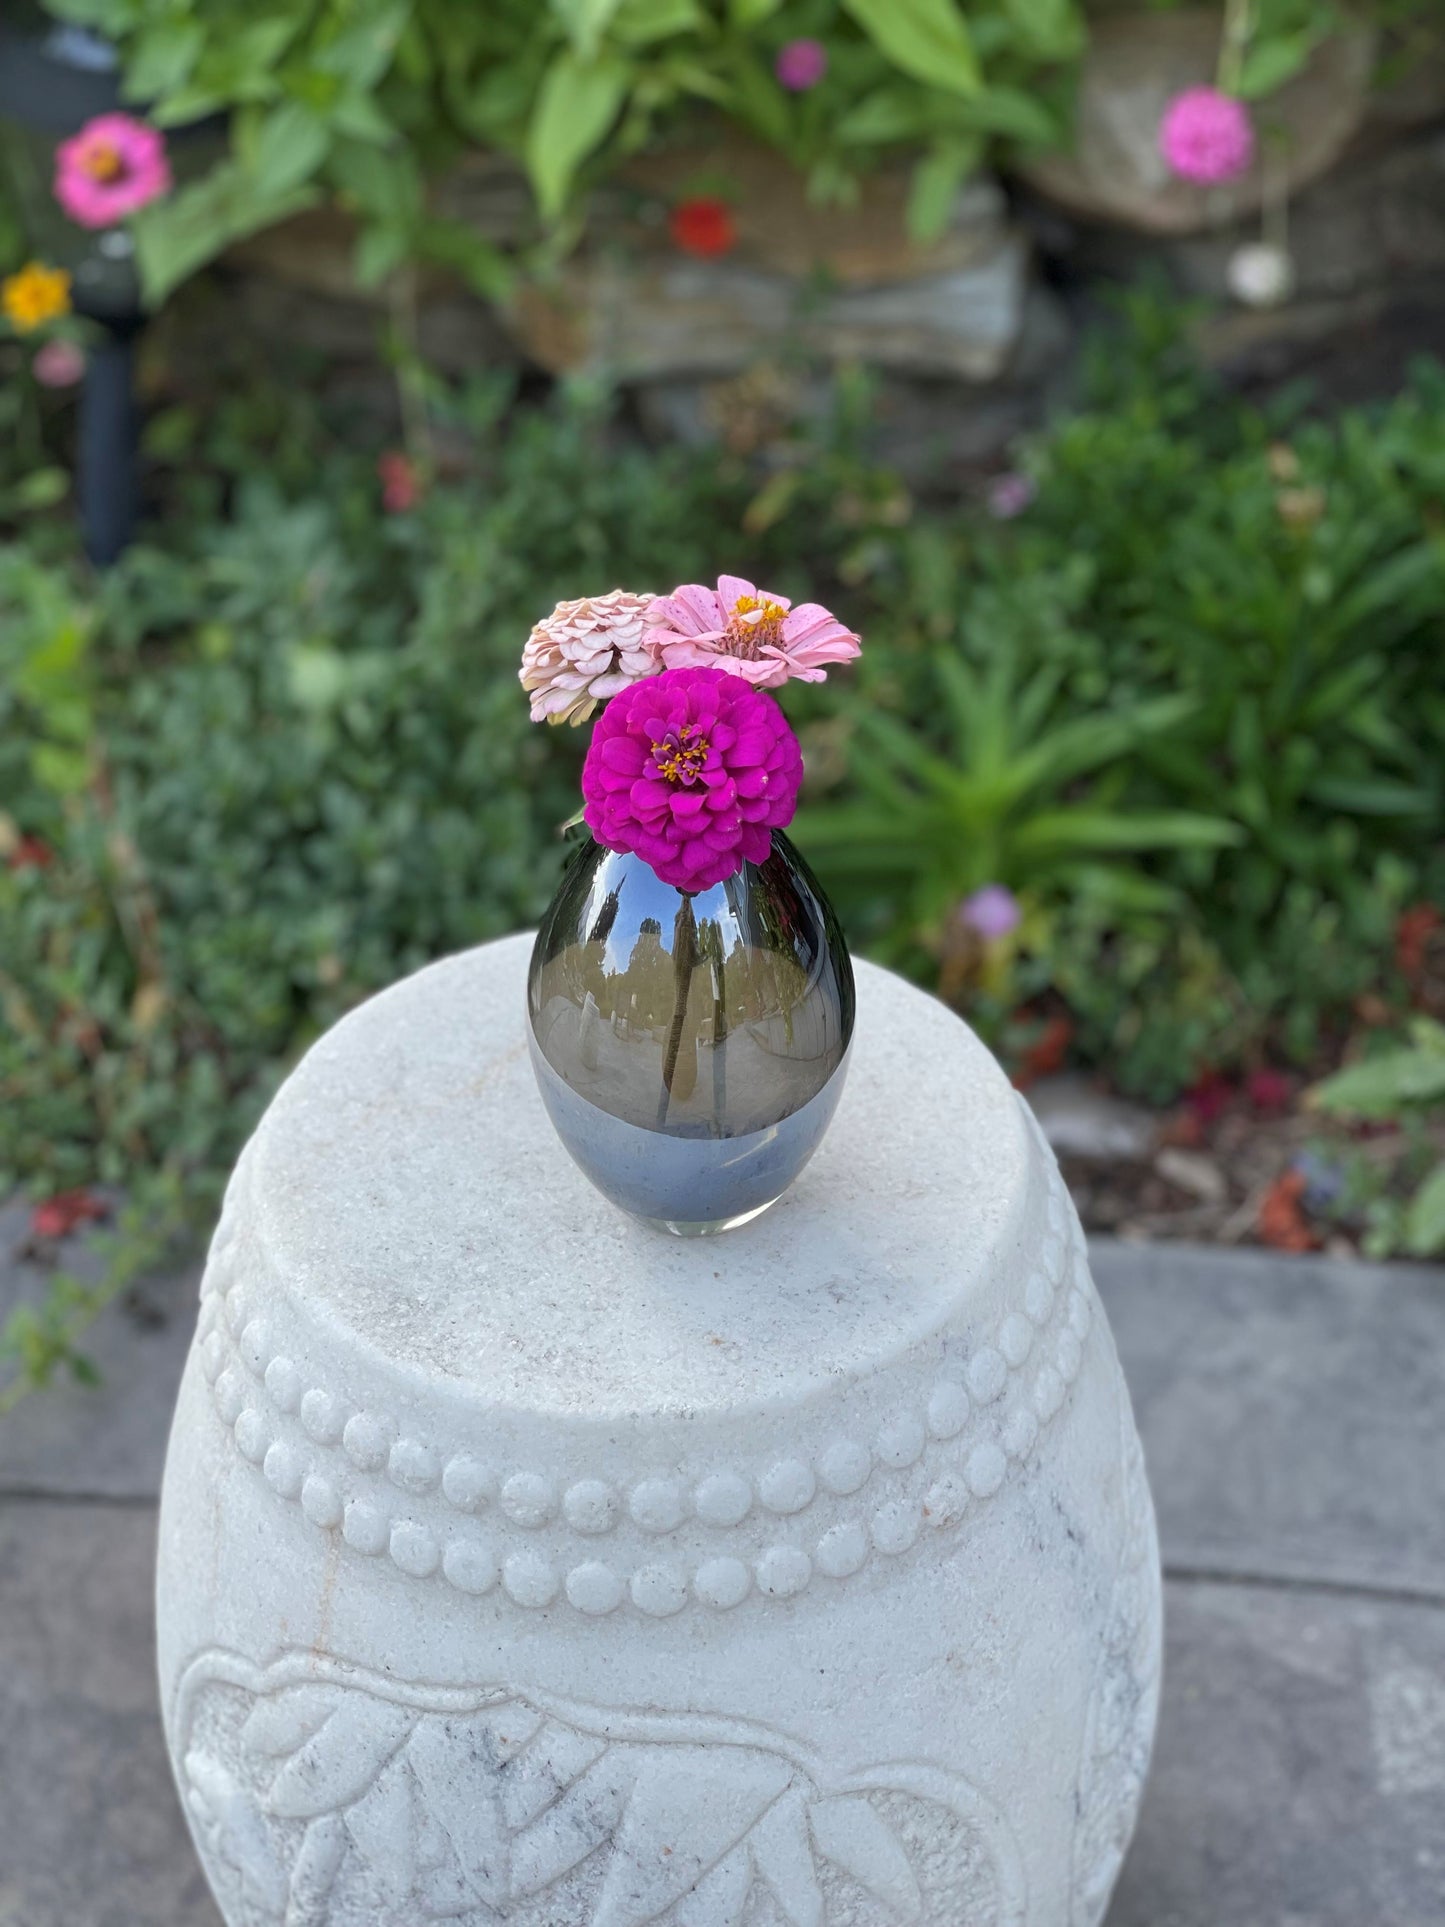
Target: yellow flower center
(756,623)
(682,754)
(103,162)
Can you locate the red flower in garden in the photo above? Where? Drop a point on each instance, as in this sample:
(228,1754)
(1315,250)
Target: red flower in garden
(400,481)
(1413,931)
(1282,1223)
(57,1217)
(1208,1096)
(703,226)
(30,853)
(1268,1090)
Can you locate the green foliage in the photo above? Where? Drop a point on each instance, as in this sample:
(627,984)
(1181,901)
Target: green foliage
(365,99)
(1186,706)
(1404,1084)
(1209,650)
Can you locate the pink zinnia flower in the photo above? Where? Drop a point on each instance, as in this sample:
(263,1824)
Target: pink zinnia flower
(113,166)
(1206,136)
(801,65)
(992,911)
(749,632)
(58,364)
(692,771)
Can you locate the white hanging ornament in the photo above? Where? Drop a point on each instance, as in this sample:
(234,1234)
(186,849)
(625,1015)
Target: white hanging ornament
(1260,275)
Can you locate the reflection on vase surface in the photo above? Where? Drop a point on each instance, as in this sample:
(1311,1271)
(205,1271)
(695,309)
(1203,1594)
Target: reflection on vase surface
(690,1049)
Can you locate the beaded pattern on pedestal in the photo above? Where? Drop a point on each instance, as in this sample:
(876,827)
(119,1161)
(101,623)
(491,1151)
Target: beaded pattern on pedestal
(352,1470)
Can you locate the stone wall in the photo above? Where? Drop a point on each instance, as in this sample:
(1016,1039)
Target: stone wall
(971,336)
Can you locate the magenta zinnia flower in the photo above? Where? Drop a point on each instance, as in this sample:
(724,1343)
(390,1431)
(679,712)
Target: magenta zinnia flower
(1206,136)
(801,64)
(691,770)
(113,166)
(749,632)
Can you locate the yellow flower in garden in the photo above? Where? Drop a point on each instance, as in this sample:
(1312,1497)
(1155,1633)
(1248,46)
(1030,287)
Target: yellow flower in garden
(35,295)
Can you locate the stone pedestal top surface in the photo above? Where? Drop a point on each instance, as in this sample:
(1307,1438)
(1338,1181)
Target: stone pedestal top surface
(408,1193)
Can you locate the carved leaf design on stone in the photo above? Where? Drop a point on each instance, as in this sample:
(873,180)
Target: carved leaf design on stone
(232,1823)
(784,1859)
(492,1807)
(690,1805)
(850,1833)
(341,1759)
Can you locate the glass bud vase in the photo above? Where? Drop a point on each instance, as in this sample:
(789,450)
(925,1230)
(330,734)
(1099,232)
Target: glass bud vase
(690,1047)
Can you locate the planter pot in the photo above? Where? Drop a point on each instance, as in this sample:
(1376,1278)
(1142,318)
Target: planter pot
(520,1566)
(1134,67)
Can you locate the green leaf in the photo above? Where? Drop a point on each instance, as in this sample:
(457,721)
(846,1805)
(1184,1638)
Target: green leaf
(1384,1086)
(379,251)
(174,237)
(586,21)
(576,106)
(639,23)
(1373,796)
(290,145)
(934,188)
(926,38)
(751,13)
(1272,61)
(1425,1218)
(1084,829)
(161,59)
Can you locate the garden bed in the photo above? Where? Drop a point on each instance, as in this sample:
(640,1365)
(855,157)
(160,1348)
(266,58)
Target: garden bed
(1165,698)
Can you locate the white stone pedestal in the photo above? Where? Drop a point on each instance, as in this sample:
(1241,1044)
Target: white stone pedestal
(521,1565)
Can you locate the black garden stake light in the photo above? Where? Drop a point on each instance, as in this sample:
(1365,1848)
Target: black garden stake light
(55,82)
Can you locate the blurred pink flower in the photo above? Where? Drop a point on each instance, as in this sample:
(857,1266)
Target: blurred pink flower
(584,652)
(113,166)
(992,911)
(1206,136)
(801,65)
(692,771)
(1009,495)
(749,632)
(58,364)
(400,482)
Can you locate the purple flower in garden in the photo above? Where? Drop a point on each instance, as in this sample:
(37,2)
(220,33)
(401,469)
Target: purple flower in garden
(1009,495)
(692,770)
(1206,136)
(991,912)
(801,65)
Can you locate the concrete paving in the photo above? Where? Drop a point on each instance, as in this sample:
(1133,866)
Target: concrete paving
(1293,1413)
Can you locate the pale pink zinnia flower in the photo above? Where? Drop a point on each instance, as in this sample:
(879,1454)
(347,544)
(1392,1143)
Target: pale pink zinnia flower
(749,632)
(58,364)
(113,166)
(586,651)
(1206,136)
